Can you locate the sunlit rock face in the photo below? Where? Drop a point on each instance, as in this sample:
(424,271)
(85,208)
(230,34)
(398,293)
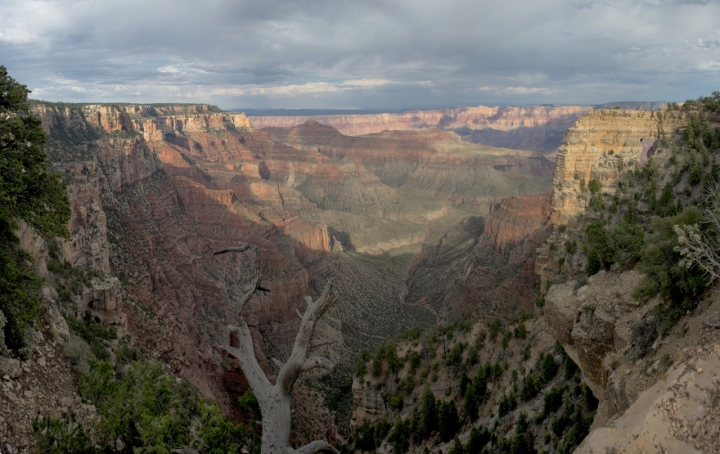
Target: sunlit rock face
(599,146)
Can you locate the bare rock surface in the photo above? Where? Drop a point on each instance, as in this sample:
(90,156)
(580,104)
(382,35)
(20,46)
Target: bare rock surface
(680,413)
(42,386)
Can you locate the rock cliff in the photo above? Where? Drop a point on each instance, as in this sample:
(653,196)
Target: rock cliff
(642,398)
(599,146)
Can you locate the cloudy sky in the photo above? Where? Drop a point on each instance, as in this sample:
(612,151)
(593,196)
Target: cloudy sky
(371,54)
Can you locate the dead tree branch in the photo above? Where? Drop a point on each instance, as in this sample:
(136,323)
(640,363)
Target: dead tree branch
(275,399)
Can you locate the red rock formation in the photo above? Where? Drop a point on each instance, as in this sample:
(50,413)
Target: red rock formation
(517,218)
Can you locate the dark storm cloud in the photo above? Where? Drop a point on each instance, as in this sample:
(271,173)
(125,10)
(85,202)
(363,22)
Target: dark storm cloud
(409,53)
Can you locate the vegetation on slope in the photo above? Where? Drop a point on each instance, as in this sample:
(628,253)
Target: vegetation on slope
(139,406)
(632,224)
(31,193)
(473,390)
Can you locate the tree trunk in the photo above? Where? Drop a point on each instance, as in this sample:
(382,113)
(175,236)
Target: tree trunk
(277,421)
(275,399)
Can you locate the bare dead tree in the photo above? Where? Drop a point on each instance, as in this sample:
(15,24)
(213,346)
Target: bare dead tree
(275,398)
(701,247)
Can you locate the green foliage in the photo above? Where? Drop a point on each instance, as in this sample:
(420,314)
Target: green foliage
(480,339)
(506,339)
(413,358)
(428,412)
(473,357)
(553,400)
(618,244)
(549,368)
(495,326)
(361,364)
(530,388)
(144,407)
(478,439)
(457,446)
(508,403)
(521,331)
(480,383)
(571,247)
(454,358)
(471,400)
(94,333)
(411,335)
(464,382)
(59,437)
(448,420)
(399,436)
(570,367)
(396,403)
(386,354)
(369,437)
(523,441)
(679,286)
(28,192)
(248,402)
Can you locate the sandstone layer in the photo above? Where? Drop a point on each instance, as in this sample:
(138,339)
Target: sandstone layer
(599,146)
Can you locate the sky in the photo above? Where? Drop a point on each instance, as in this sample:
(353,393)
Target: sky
(369,54)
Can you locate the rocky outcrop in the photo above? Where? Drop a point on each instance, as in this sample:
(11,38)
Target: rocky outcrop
(515,218)
(680,413)
(41,386)
(368,403)
(614,341)
(600,146)
(155,123)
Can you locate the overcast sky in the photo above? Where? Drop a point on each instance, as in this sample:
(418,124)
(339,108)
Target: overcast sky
(370,54)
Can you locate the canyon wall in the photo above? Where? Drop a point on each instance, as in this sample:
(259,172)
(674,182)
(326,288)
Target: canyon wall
(599,146)
(538,128)
(646,371)
(480,117)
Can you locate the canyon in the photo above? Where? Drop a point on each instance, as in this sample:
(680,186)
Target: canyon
(154,190)
(416,225)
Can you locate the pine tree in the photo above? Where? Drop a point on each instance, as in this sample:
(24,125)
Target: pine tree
(448,423)
(428,412)
(31,192)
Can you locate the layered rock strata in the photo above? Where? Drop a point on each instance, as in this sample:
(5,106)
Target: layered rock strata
(431,162)
(475,118)
(600,146)
(154,190)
